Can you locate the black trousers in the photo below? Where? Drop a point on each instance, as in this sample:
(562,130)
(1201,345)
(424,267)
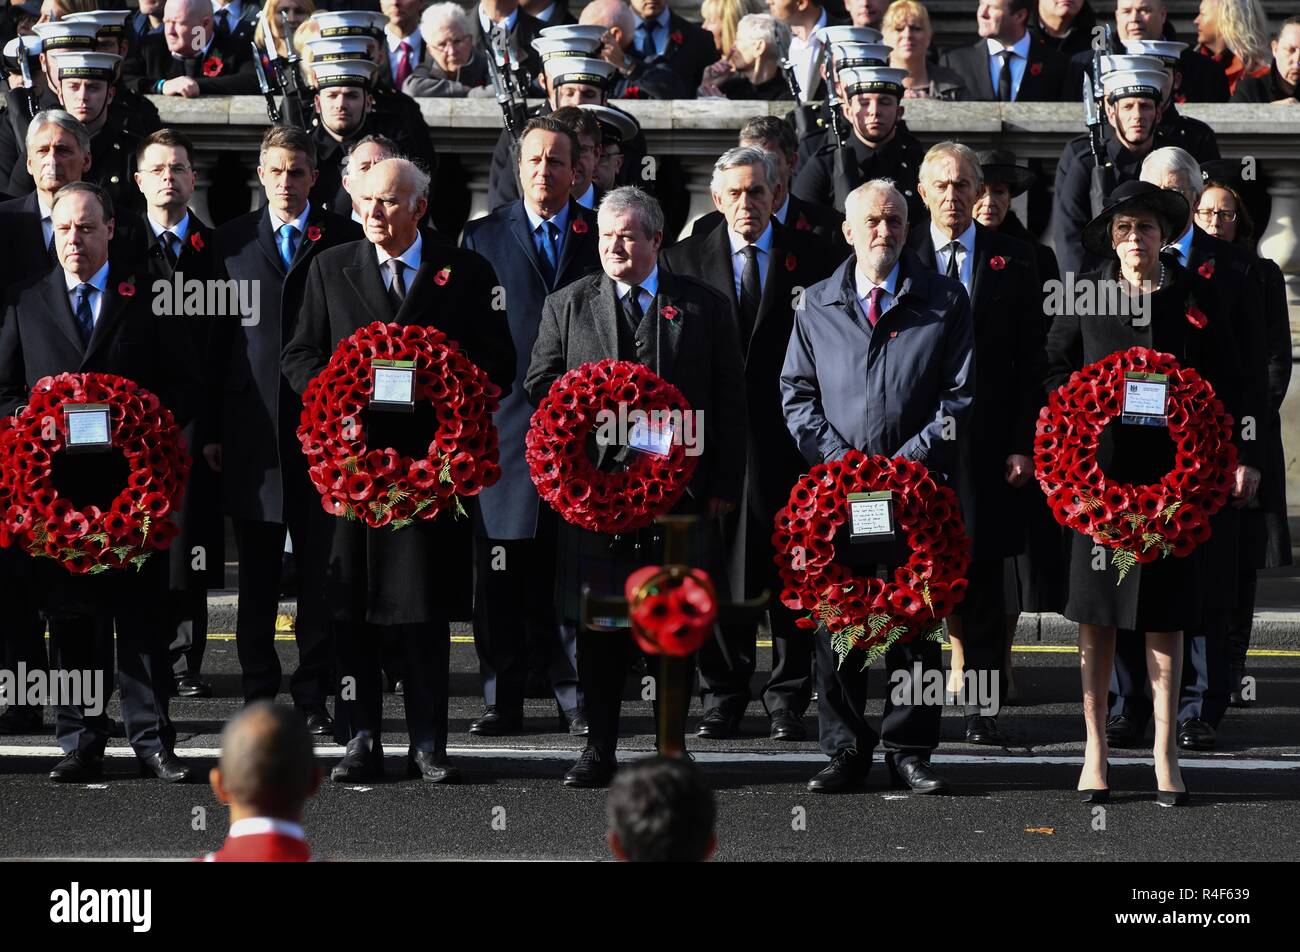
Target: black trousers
(727,667)
(603,661)
(187,620)
(514,609)
(426,651)
(261,553)
(984,628)
(1243,620)
(907,730)
(23,640)
(84,643)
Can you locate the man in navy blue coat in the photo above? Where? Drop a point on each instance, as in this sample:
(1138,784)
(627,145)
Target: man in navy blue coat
(553,240)
(881,360)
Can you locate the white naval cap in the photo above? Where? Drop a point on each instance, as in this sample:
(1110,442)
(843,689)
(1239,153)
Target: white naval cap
(578,69)
(553,46)
(350,23)
(340,48)
(586,32)
(850,55)
(67,35)
(848,34)
(110,22)
(348,72)
(1167,51)
(79,64)
(1124,83)
(873,79)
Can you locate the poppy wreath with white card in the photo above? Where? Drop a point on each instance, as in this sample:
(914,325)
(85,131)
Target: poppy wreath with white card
(870,613)
(69,413)
(1141,523)
(392,364)
(591,399)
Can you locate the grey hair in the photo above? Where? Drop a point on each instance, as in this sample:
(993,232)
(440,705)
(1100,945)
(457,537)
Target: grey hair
(742,155)
(374,138)
(65,121)
(1162,162)
(859,195)
(73,188)
(764,26)
(963,152)
(440,14)
(412,175)
(629,198)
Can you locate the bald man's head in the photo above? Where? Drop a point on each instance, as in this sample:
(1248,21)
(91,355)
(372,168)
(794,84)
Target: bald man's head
(609,14)
(187,26)
(267,766)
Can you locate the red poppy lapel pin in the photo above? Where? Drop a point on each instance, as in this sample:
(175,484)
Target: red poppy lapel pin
(442,277)
(1035,69)
(212,66)
(579,226)
(997,262)
(127,288)
(196,242)
(668,312)
(1196,317)
(802,224)
(791,262)
(676,37)
(313,233)
(1206,270)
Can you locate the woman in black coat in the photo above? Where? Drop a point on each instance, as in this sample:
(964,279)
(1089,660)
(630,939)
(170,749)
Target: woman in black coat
(1265,537)
(1160,598)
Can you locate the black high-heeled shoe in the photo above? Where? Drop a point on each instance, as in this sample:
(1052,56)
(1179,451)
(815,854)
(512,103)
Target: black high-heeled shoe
(1172,798)
(1101,795)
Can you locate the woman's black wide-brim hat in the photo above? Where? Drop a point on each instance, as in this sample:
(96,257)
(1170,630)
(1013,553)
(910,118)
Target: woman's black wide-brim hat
(1132,197)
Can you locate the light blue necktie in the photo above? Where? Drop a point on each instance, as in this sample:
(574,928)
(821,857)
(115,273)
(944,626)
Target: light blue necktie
(288,242)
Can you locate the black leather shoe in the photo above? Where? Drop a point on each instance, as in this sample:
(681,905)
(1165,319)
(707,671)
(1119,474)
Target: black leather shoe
(1172,798)
(1122,732)
(494,723)
(363,761)
(165,765)
(1237,699)
(319,721)
(78,767)
(983,730)
(1100,795)
(190,686)
(717,724)
(918,775)
(423,764)
(22,720)
(574,721)
(846,771)
(1195,734)
(593,769)
(786,726)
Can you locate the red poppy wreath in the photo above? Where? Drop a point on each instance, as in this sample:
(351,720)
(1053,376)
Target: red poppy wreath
(1141,523)
(378,485)
(90,540)
(590,397)
(866,612)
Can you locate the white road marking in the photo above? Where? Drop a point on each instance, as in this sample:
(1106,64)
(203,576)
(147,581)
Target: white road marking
(1216,761)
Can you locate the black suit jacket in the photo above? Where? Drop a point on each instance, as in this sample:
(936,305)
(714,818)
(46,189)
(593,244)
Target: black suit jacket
(509,510)
(526,60)
(230,57)
(1007,311)
(1043,79)
(1198,78)
(699,354)
(420,573)
(825,223)
(689,52)
(26,253)
(797,260)
(250,410)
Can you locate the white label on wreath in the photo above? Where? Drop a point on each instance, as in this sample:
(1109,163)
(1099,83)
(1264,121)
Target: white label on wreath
(394,384)
(1145,398)
(88,426)
(655,439)
(871,514)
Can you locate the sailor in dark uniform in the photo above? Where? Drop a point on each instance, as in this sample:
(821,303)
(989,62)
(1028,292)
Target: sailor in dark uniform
(129,109)
(1185,132)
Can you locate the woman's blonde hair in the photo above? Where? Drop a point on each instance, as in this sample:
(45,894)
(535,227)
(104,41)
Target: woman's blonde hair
(729,13)
(1243,27)
(900,11)
(271,14)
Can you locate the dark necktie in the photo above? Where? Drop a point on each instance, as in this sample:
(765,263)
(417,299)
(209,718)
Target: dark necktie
(223,22)
(168,241)
(397,287)
(873,305)
(648,47)
(192,65)
(49,249)
(751,292)
(953,271)
(81,310)
(1004,77)
(632,308)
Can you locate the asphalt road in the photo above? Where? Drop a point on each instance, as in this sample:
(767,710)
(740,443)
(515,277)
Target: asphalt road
(1012,803)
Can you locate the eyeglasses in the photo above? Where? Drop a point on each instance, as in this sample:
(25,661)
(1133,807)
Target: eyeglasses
(1122,229)
(1209,214)
(175,170)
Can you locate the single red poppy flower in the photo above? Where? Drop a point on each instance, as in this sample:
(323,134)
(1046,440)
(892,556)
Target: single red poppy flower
(196,241)
(997,262)
(1206,270)
(579,226)
(791,262)
(668,312)
(212,66)
(442,277)
(1196,317)
(1035,69)
(127,288)
(313,233)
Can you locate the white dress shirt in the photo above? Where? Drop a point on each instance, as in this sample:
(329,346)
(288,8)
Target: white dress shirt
(865,285)
(764,246)
(1019,60)
(486,23)
(234,12)
(47,226)
(415,41)
(99,281)
(965,257)
(300,223)
(1182,248)
(804,54)
(649,288)
(661,34)
(180,230)
(410,257)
